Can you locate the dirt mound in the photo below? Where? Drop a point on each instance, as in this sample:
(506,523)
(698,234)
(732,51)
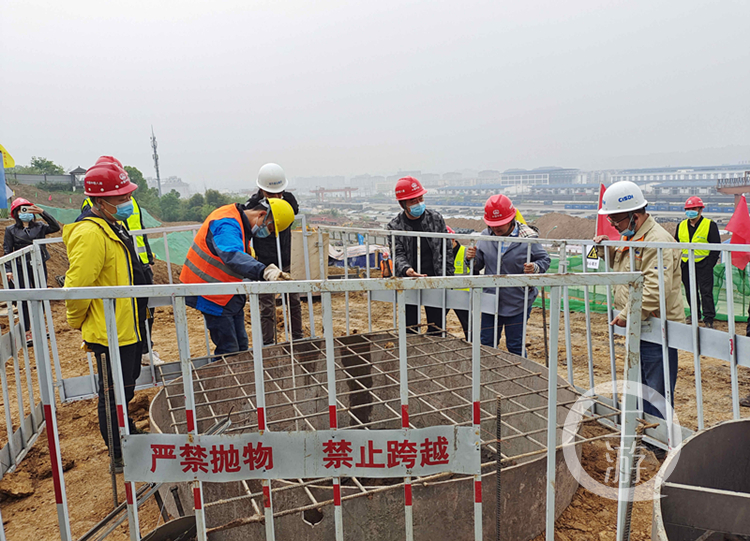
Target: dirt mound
(466,223)
(63,200)
(562,226)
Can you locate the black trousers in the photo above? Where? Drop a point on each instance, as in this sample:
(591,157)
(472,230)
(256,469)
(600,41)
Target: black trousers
(434,319)
(704,280)
(20,283)
(268,317)
(463,318)
(130,361)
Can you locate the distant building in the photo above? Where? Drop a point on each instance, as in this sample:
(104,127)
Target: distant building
(538,176)
(488,174)
(597,177)
(171,183)
(452,176)
(662,174)
(431,180)
(385,187)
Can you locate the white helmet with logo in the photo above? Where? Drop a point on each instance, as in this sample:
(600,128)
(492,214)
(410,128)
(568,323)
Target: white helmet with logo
(623,196)
(271,178)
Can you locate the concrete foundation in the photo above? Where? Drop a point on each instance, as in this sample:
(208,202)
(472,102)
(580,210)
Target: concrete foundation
(367,386)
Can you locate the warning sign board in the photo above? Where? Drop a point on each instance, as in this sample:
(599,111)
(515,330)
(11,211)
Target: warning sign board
(592,259)
(293,455)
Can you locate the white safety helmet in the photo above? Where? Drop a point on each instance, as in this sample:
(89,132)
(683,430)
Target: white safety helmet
(623,196)
(271,178)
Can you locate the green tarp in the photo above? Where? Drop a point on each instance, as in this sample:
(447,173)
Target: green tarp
(68,216)
(598,295)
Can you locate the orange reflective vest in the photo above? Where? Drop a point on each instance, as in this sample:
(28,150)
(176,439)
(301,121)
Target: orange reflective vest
(386,267)
(203,267)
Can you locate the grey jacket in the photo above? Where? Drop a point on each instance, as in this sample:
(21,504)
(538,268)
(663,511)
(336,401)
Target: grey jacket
(511,298)
(406,247)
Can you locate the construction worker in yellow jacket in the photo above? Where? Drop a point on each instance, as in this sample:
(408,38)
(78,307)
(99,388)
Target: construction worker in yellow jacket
(146,257)
(134,223)
(696,228)
(101,254)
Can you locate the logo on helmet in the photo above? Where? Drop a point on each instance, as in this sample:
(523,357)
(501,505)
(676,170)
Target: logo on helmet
(123,176)
(626,198)
(414,185)
(495,212)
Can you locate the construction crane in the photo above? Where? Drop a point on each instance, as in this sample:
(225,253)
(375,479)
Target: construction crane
(320,192)
(734,186)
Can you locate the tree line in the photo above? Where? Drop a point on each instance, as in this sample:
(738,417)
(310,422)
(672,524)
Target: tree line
(168,208)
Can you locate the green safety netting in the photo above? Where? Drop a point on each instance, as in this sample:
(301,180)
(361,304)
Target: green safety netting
(68,216)
(179,244)
(598,294)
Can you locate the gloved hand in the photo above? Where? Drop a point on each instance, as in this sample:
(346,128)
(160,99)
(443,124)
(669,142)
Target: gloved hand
(274,274)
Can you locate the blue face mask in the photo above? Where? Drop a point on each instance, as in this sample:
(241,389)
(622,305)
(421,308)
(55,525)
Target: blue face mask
(124,211)
(691,214)
(260,232)
(417,210)
(630,232)
(26,217)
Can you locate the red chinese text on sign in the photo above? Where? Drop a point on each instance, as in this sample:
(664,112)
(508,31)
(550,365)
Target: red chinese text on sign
(367,456)
(258,457)
(161,452)
(193,458)
(337,453)
(399,453)
(225,460)
(434,452)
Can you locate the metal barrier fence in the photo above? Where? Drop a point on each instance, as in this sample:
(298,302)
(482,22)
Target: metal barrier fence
(23,415)
(727,346)
(459,441)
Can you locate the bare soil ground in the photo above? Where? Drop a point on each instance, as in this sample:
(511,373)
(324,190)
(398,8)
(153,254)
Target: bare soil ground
(27,498)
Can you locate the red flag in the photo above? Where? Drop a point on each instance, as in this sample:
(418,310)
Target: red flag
(603,227)
(739,225)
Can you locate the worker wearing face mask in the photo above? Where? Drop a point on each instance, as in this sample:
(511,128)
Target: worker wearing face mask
(26,229)
(102,254)
(416,217)
(221,253)
(502,220)
(699,229)
(625,207)
(272,184)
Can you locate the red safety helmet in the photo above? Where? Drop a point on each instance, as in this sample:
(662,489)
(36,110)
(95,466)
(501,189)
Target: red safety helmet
(18,203)
(108,159)
(450,230)
(694,203)
(107,179)
(498,210)
(408,188)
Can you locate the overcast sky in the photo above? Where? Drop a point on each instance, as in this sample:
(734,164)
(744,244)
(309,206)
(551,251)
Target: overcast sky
(341,88)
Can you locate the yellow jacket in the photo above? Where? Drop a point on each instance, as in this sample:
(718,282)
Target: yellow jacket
(98,258)
(647,262)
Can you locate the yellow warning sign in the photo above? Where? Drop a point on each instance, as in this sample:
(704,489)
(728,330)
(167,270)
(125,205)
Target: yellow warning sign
(592,259)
